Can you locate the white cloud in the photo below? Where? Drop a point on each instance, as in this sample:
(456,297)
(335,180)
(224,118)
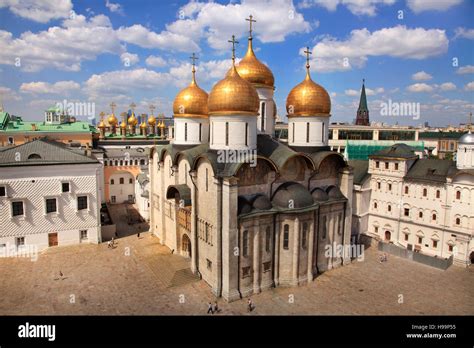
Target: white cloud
(467,69)
(59,87)
(114,7)
(156,61)
(39,11)
(469,86)
(129,59)
(357,7)
(464,33)
(276,19)
(418,6)
(351,92)
(447,86)
(368,91)
(335,55)
(139,35)
(7,94)
(421,76)
(420,87)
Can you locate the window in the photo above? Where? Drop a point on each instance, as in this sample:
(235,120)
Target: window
(112,181)
(245,244)
(286,236)
(227,133)
(420,215)
(267,239)
(322,132)
(51,205)
(376,229)
(304,236)
(200,131)
(389,208)
(396,166)
(121,162)
(293,131)
(433,217)
(438,194)
(458,194)
(406,190)
(435,244)
(450,248)
(245,272)
(185,132)
(420,240)
(113,199)
(262,126)
(406,212)
(267,266)
(207,181)
(246,134)
(83,235)
(377,164)
(458,221)
(121,181)
(406,236)
(10,140)
(65,187)
(130,181)
(386,165)
(379,185)
(142,162)
(116,163)
(425,192)
(209,264)
(307,132)
(81,202)
(390,187)
(17,208)
(20,241)
(375,205)
(3,191)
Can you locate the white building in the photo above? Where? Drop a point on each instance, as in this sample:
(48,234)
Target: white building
(142,194)
(49,195)
(425,205)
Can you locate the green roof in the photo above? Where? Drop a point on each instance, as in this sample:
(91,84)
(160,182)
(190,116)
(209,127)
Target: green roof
(362,149)
(16,124)
(431,170)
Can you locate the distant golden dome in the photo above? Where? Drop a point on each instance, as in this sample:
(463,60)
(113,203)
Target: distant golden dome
(123,125)
(132,121)
(112,120)
(253,71)
(143,125)
(191,101)
(101,125)
(151,120)
(233,95)
(308,99)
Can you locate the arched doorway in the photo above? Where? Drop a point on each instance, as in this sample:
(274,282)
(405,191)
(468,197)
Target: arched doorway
(388,235)
(471,257)
(186,246)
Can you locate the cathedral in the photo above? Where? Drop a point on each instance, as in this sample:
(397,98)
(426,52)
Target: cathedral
(250,212)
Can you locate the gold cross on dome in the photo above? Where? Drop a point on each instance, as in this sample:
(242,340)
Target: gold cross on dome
(233,46)
(152,108)
(308,52)
(112,106)
(132,106)
(250,20)
(194,58)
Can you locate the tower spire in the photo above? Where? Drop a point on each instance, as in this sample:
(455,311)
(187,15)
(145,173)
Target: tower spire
(308,53)
(363,111)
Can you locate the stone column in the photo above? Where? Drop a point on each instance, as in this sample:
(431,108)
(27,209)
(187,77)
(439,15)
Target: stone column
(296,250)
(346,179)
(256,258)
(194,237)
(331,239)
(276,271)
(310,251)
(162,193)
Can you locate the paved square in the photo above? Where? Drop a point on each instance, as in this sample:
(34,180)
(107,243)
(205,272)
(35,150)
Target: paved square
(140,276)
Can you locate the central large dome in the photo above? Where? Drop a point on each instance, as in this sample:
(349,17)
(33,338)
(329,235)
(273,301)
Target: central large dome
(255,72)
(234,96)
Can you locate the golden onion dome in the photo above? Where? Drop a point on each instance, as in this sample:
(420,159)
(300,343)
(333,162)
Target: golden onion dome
(101,125)
(308,99)
(151,120)
(112,120)
(191,101)
(253,71)
(233,95)
(132,121)
(143,125)
(123,125)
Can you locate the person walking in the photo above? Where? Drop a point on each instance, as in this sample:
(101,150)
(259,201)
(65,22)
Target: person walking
(209,308)
(216,307)
(249,305)
(138,234)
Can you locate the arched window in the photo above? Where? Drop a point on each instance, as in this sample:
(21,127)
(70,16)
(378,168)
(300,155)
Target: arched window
(245,244)
(304,236)
(200,131)
(438,194)
(458,221)
(458,194)
(420,214)
(433,217)
(130,181)
(262,125)
(375,205)
(267,239)
(121,181)
(112,182)
(307,132)
(185,132)
(425,192)
(389,207)
(286,236)
(406,190)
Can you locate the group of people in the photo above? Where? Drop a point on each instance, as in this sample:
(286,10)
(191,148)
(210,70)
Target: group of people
(111,243)
(383,258)
(211,309)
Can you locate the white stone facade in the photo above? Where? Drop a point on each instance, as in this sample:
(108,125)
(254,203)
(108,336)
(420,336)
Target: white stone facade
(308,131)
(233,132)
(191,130)
(266,112)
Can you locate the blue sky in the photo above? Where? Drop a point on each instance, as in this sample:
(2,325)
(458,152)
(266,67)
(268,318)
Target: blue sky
(124,51)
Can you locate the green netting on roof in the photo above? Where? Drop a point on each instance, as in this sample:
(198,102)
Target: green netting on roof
(362,149)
